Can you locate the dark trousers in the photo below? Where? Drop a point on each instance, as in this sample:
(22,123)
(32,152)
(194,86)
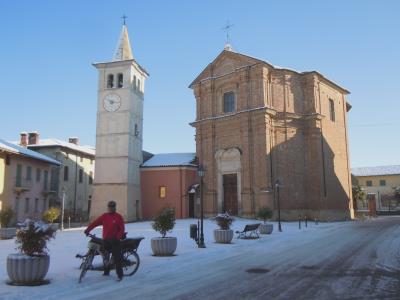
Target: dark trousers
(114,246)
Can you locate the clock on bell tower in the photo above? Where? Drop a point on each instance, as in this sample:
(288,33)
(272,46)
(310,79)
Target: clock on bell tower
(119,132)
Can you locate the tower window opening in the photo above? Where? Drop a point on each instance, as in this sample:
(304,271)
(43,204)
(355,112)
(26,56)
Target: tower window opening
(134,82)
(120,80)
(110,81)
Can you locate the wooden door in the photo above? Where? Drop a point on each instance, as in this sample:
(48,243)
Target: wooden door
(230,204)
(191,205)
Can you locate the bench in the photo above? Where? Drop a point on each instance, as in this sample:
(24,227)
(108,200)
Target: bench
(250,231)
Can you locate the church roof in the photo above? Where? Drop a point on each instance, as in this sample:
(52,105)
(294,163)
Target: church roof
(376,171)
(249,61)
(12,148)
(170,160)
(123,51)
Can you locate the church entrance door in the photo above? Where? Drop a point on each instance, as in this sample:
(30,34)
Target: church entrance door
(191,205)
(230,204)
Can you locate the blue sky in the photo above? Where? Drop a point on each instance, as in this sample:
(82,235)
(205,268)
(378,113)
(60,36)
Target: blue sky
(48,83)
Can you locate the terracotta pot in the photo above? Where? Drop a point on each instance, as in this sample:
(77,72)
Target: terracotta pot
(7,233)
(163,246)
(223,236)
(266,228)
(25,269)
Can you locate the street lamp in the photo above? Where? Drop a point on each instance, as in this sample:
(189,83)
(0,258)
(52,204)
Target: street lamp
(200,173)
(62,208)
(277,185)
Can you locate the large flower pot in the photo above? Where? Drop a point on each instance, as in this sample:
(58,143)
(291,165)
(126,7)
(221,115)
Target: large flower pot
(163,246)
(223,236)
(266,228)
(7,233)
(24,269)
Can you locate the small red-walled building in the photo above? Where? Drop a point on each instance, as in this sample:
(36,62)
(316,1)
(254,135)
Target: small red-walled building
(170,179)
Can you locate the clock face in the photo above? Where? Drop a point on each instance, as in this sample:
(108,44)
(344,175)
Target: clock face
(112,102)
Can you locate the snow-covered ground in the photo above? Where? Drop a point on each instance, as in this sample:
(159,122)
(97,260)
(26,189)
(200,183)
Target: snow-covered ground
(154,272)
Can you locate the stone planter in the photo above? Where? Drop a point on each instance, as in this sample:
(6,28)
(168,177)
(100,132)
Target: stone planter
(7,233)
(163,246)
(266,228)
(25,270)
(223,236)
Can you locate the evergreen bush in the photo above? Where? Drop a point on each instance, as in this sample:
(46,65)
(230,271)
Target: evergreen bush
(224,221)
(6,215)
(165,221)
(265,213)
(32,237)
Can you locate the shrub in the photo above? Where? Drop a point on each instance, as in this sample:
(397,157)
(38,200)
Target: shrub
(265,213)
(6,215)
(32,237)
(51,214)
(224,221)
(165,221)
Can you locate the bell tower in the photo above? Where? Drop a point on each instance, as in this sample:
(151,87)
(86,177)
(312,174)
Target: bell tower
(119,132)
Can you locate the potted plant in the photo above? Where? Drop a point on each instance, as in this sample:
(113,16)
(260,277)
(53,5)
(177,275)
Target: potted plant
(6,215)
(30,266)
(50,215)
(265,213)
(224,234)
(164,222)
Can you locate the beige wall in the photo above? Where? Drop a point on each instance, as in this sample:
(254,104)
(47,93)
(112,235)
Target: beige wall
(392,181)
(77,194)
(31,198)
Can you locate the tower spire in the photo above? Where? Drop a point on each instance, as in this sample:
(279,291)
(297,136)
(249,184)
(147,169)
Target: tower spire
(123,51)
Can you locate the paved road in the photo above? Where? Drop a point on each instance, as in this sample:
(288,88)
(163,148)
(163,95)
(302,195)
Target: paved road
(359,260)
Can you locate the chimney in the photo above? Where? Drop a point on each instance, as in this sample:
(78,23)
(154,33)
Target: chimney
(24,139)
(74,140)
(33,138)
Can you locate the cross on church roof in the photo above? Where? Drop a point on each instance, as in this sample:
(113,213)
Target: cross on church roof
(227,27)
(124,17)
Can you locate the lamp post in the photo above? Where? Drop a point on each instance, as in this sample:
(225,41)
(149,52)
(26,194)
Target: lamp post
(62,209)
(277,185)
(200,172)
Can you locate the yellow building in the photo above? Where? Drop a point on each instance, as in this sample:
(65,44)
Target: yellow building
(381,182)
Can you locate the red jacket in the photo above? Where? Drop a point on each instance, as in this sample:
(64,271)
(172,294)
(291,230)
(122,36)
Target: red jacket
(113,225)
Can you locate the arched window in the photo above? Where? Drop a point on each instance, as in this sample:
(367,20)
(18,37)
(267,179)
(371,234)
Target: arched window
(110,81)
(120,80)
(138,85)
(134,82)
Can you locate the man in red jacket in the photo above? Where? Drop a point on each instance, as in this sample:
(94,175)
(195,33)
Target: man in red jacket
(113,231)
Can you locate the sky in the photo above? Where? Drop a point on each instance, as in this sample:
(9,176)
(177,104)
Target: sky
(48,84)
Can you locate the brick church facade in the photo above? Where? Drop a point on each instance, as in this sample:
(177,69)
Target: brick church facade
(261,130)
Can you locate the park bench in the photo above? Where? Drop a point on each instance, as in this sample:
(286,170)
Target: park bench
(249,231)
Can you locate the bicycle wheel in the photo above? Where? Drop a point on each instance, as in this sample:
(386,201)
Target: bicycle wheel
(130,263)
(87,263)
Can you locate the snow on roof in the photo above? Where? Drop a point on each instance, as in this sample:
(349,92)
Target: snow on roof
(170,159)
(54,142)
(376,171)
(10,147)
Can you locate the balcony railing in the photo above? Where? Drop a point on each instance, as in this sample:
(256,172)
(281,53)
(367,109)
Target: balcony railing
(22,184)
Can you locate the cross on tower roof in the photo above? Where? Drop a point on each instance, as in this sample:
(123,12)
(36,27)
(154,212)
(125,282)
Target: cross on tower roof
(124,17)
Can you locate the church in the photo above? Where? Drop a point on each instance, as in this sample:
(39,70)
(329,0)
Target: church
(265,136)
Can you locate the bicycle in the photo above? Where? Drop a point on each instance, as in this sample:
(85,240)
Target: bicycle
(130,258)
